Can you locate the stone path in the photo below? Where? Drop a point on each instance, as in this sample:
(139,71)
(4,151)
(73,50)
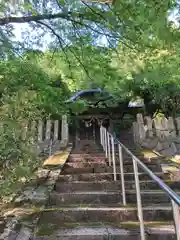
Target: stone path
(84,202)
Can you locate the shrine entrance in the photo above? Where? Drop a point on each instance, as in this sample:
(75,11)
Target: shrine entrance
(88,129)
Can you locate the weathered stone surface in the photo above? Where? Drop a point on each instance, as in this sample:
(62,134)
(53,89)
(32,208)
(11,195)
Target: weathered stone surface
(54,174)
(161,145)
(135,132)
(56,146)
(34,194)
(42,173)
(44,145)
(177,157)
(56,130)
(168,152)
(150,143)
(177,147)
(176,140)
(149,123)
(36,149)
(39,195)
(158,127)
(108,214)
(24,234)
(88,198)
(175,176)
(178,126)
(40,131)
(48,130)
(25,129)
(26,195)
(64,129)
(141,127)
(63,143)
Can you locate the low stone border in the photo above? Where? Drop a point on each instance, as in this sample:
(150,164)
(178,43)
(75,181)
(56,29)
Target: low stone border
(37,194)
(168,166)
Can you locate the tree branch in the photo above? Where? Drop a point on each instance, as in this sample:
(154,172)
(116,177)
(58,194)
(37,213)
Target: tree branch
(60,42)
(26,19)
(115,35)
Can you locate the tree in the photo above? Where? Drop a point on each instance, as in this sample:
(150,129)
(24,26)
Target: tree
(131,23)
(26,95)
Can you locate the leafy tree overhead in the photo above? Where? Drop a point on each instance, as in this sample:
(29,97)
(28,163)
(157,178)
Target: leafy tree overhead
(130,22)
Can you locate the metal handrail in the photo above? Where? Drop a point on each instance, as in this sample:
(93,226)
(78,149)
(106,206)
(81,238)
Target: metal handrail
(173,195)
(109,149)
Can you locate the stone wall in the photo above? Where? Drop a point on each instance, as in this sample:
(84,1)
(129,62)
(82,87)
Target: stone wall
(158,134)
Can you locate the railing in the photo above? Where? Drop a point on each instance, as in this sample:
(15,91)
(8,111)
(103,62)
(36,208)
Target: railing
(108,143)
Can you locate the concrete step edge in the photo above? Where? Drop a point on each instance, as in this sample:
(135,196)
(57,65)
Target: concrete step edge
(99,208)
(84,193)
(158,192)
(103,231)
(117,182)
(108,173)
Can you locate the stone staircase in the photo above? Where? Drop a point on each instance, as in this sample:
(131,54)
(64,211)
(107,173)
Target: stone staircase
(86,204)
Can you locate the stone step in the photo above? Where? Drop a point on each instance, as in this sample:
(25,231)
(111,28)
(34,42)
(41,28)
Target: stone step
(107,176)
(103,166)
(87,186)
(88,151)
(148,196)
(107,197)
(152,166)
(2,224)
(86,158)
(105,214)
(77,155)
(106,231)
(85,198)
(71,170)
(101,159)
(152,185)
(110,186)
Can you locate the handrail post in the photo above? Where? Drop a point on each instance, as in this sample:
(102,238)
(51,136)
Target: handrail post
(103,139)
(113,158)
(176,215)
(138,196)
(106,145)
(109,149)
(101,135)
(122,174)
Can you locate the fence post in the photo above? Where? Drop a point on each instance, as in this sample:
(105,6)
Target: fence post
(48,130)
(64,129)
(25,130)
(56,130)
(40,131)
